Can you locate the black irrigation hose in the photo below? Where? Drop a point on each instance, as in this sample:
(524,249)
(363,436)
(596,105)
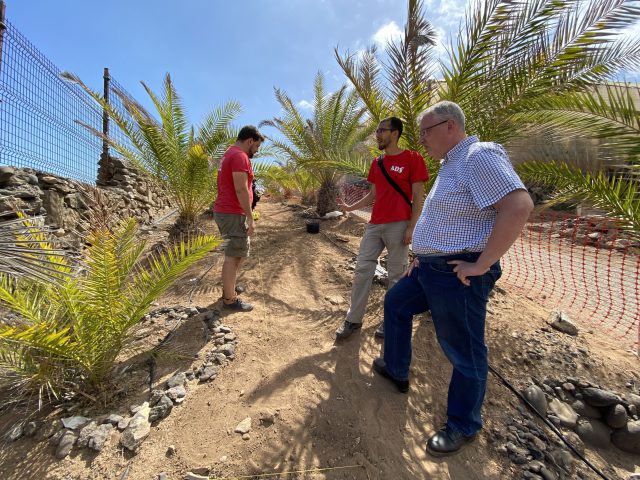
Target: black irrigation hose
(547,422)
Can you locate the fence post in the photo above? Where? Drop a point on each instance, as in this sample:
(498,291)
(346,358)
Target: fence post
(105,114)
(3,27)
(104,170)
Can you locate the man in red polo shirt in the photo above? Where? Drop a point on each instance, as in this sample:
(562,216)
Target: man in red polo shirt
(393,217)
(232,211)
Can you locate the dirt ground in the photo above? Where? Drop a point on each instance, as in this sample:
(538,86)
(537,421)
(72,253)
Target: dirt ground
(331,412)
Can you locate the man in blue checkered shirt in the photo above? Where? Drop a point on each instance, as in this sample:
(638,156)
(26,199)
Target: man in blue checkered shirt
(472,215)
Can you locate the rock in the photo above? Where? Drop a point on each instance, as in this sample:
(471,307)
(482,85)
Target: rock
(334,299)
(220,358)
(156,395)
(229,337)
(75,422)
(137,430)
(244,426)
(547,474)
(30,429)
(531,476)
(246,436)
(171,450)
(228,349)
(600,398)
(568,417)
(85,434)
(113,419)
(67,439)
(585,410)
(561,322)
(5,174)
(16,432)
(563,459)
(124,423)
(535,466)
(594,432)
(100,436)
(267,418)
(628,437)
(209,373)
(176,393)
(163,476)
(161,410)
(178,380)
(633,399)
(575,441)
(535,396)
(195,476)
(616,416)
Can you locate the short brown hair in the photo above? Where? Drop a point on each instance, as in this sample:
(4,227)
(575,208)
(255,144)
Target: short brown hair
(249,131)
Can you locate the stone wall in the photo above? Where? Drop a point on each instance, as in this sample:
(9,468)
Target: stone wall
(70,206)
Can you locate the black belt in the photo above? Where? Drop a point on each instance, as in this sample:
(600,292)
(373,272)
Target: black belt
(467,257)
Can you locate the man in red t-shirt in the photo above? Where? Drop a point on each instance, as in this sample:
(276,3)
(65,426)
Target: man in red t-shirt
(232,211)
(392,219)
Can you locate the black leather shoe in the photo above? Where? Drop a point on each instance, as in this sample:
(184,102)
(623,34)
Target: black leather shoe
(347,328)
(380,368)
(447,441)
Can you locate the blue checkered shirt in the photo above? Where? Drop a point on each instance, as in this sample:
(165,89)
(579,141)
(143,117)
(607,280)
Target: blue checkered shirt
(458,213)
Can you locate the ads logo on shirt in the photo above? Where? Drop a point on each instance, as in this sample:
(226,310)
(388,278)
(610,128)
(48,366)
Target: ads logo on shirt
(395,168)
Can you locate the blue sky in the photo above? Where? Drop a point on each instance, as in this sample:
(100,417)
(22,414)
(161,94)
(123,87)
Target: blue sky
(216,50)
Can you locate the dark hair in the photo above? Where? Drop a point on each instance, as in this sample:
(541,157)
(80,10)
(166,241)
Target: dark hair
(249,131)
(395,123)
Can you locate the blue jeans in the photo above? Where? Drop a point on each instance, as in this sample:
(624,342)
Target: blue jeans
(458,314)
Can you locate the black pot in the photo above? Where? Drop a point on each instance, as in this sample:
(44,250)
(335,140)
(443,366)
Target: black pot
(313,226)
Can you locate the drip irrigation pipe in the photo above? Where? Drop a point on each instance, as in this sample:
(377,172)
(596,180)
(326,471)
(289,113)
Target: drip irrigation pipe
(553,428)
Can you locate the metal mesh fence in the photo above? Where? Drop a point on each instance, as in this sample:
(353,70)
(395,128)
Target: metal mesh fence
(37,113)
(585,266)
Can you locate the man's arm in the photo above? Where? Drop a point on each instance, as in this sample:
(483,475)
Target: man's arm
(417,193)
(365,201)
(513,211)
(240,180)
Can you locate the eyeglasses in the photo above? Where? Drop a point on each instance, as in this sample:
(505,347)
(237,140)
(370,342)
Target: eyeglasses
(380,130)
(425,131)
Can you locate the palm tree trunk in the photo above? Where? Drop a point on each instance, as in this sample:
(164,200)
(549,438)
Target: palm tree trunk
(327,196)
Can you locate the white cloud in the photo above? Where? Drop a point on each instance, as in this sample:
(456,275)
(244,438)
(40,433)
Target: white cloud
(387,32)
(305,105)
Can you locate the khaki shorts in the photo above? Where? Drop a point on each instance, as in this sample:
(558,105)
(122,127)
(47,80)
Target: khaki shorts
(233,228)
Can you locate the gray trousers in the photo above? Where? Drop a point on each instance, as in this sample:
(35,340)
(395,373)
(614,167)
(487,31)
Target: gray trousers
(376,237)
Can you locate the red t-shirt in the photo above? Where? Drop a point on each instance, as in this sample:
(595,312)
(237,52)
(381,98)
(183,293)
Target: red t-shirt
(233,160)
(405,168)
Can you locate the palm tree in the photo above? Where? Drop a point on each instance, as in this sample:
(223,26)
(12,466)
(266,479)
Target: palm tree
(315,144)
(72,329)
(170,150)
(517,69)
(521,69)
(409,72)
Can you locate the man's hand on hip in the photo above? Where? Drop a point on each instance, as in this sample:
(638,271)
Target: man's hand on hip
(464,270)
(412,265)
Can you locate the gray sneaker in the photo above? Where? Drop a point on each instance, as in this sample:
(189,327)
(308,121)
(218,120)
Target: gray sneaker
(379,333)
(347,328)
(238,306)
